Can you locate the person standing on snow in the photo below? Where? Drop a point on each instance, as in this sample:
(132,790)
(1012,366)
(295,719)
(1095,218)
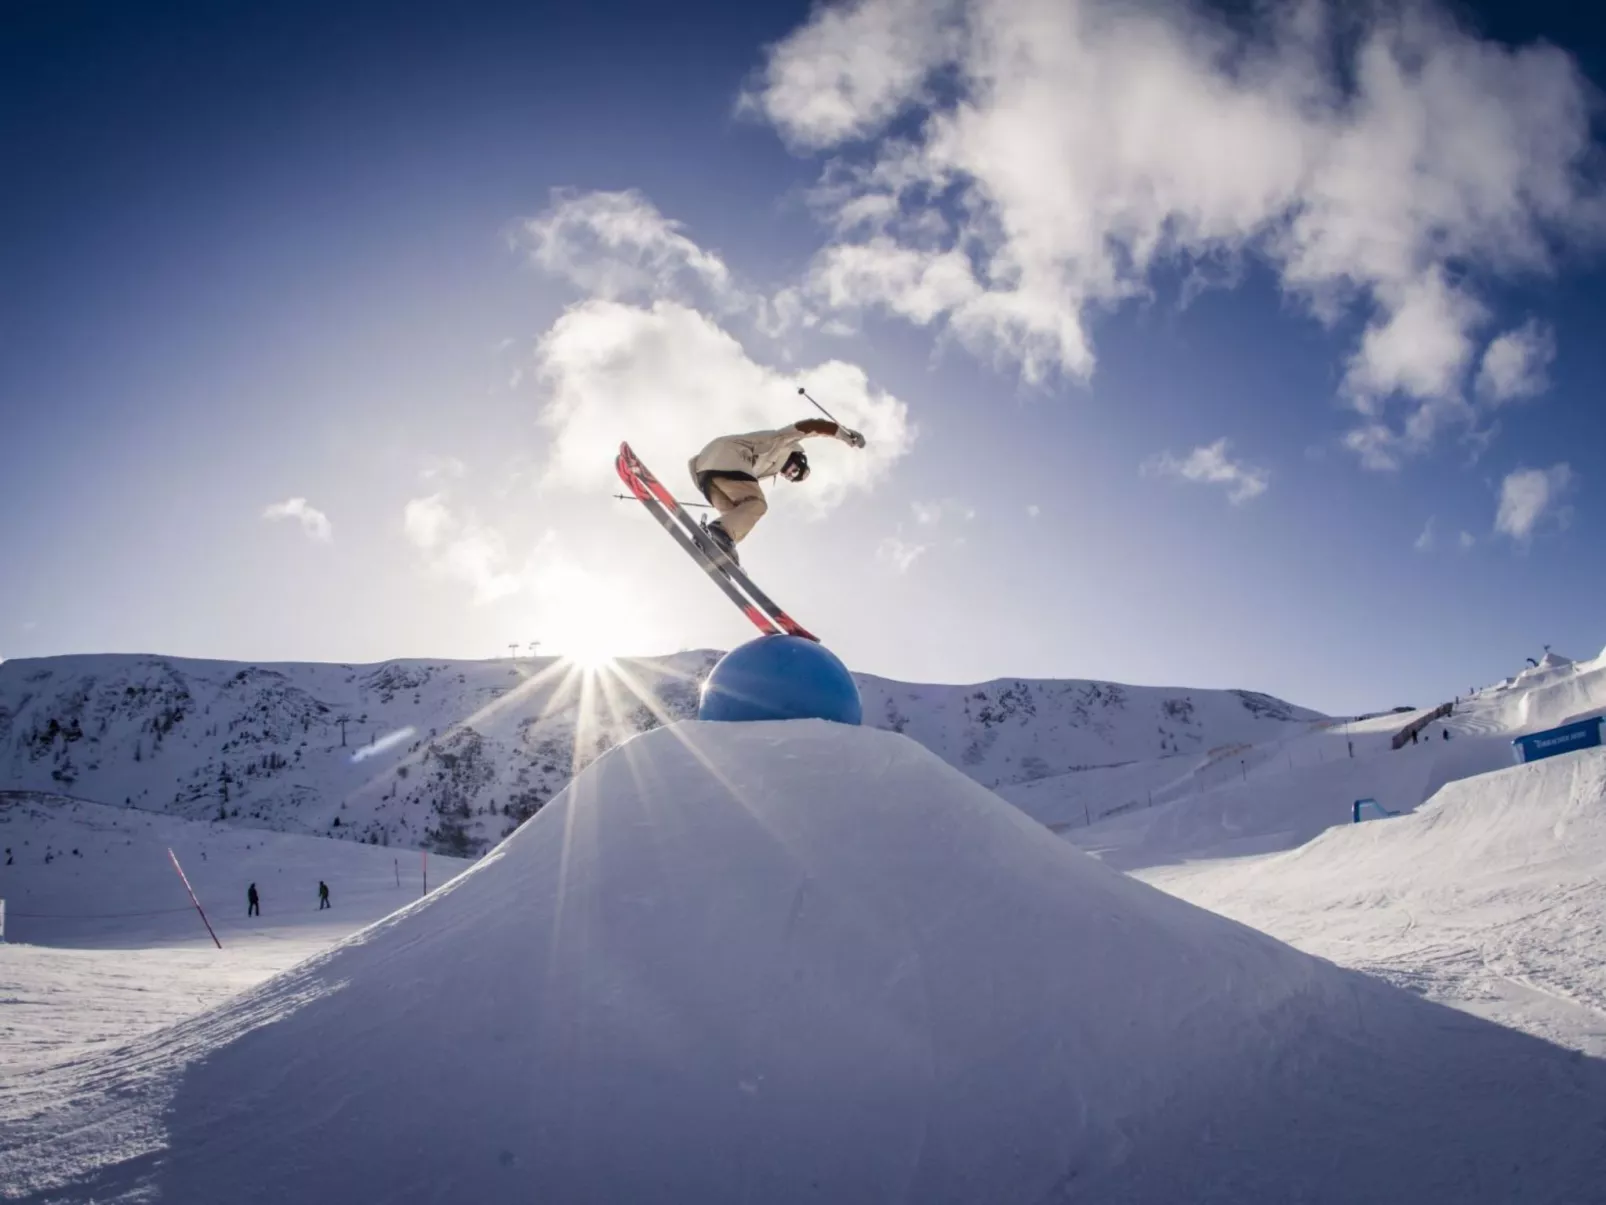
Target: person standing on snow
(253,902)
(728,472)
(323,895)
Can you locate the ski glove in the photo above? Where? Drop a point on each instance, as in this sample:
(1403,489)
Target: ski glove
(852,438)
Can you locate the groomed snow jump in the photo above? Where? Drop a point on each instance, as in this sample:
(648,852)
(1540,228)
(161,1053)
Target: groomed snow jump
(802,961)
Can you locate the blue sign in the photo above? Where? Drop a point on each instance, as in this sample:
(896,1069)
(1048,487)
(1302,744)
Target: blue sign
(1584,734)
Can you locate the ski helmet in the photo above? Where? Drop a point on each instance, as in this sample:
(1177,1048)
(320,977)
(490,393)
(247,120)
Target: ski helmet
(796,467)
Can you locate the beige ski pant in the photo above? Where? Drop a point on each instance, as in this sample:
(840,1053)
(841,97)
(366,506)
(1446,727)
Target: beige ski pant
(740,505)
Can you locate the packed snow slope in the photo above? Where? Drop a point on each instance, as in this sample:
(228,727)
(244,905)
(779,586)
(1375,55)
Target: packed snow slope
(1488,897)
(804,962)
(1281,792)
(1483,893)
(82,874)
(453,755)
(103,944)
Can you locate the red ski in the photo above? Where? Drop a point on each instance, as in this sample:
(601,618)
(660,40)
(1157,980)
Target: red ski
(767,617)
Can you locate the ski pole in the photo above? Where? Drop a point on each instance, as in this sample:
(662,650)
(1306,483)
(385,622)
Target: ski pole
(818,407)
(633,498)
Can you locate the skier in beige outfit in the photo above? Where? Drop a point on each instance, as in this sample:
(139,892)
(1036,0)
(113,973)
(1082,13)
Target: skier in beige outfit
(728,472)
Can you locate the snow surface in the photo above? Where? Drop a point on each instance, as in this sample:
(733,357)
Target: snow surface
(798,961)
(1282,791)
(104,945)
(453,755)
(1488,897)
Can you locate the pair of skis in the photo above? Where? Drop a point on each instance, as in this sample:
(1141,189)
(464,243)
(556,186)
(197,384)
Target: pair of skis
(660,503)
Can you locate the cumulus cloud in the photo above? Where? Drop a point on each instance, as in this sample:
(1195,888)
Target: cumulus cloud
(1006,169)
(313,521)
(1515,364)
(852,67)
(1424,542)
(459,546)
(1528,496)
(617,246)
(1210,464)
(1466,540)
(668,378)
(646,356)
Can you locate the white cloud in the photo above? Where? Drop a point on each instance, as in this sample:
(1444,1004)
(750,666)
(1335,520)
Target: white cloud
(617,246)
(916,285)
(1527,496)
(1466,540)
(1515,364)
(929,514)
(1424,542)
(640,360)
(460,547)
(1033,511)
(1210,464)
(1050,155)
(442,468)
(851,68)
(574,608)
(1422,347)
(313,521)
(900,553)
(669,379)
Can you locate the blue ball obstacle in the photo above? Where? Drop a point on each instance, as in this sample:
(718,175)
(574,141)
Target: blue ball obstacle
(780,678)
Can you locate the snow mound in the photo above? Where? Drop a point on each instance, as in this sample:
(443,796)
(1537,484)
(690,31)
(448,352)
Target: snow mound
(804,962)
(1555,692)
(1488,896)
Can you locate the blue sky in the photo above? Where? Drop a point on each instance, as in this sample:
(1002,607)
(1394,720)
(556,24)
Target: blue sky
(320,321)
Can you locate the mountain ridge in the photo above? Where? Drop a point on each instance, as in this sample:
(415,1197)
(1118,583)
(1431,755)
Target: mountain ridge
(453,755)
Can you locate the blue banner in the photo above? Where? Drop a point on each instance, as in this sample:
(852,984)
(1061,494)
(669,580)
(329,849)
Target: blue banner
(1584,734)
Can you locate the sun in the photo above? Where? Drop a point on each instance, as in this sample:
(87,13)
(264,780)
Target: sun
(588,642)
(585,619)
(588,656)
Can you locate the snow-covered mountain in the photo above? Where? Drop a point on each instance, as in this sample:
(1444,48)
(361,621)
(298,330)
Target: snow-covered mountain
(453,755)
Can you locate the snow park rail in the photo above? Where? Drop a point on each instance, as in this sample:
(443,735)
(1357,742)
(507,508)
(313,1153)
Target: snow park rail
(1374,804)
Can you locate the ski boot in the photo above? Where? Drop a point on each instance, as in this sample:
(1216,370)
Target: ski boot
(721,540)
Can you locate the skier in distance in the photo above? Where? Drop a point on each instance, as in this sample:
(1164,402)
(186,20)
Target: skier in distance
(729,469)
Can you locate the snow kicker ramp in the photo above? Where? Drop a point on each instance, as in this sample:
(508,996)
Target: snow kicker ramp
(802,962)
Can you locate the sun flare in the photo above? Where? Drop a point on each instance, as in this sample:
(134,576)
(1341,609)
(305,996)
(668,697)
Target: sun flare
(588,656)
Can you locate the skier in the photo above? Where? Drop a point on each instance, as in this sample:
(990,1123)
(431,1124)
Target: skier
(253,902)
(323,895)
(729,469)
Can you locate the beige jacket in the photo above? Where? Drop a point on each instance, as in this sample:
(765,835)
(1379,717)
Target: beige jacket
(759,453)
